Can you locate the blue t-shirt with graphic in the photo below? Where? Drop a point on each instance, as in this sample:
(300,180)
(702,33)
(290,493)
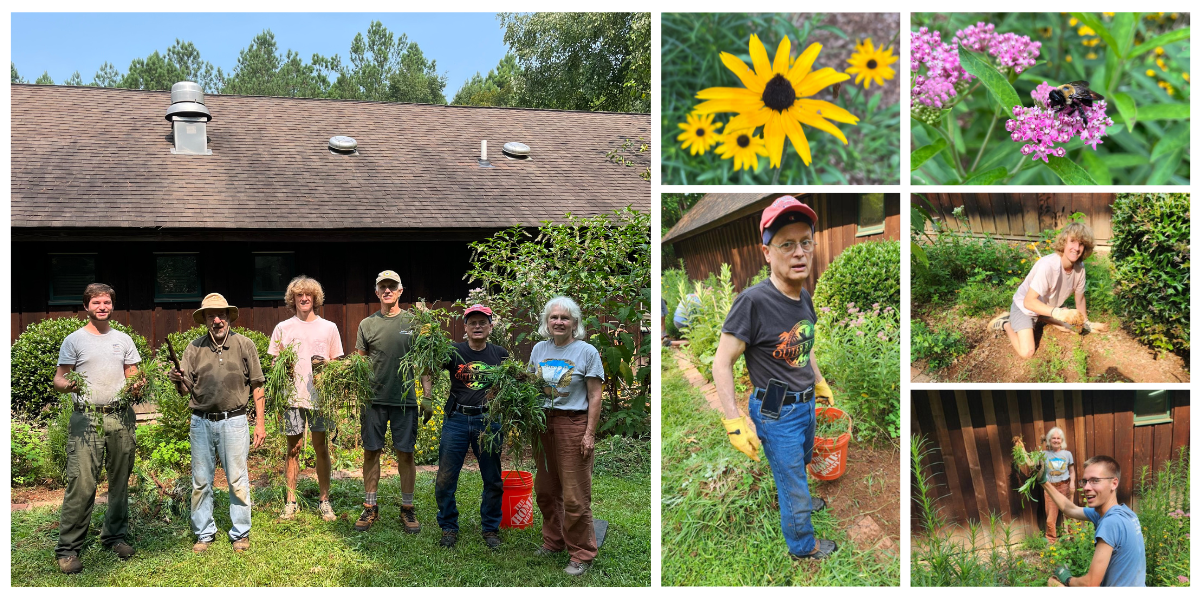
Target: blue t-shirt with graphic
(1120,528)
(1058,465)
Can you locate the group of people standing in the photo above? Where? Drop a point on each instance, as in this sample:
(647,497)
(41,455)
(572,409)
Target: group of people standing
(221,373)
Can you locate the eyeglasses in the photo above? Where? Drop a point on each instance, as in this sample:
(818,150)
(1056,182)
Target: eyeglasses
(387,286)
(1095,481)
(789,247)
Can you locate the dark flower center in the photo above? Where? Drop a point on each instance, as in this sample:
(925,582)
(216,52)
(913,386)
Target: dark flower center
(700,132)
(743,140)
(871,64)
(779,94)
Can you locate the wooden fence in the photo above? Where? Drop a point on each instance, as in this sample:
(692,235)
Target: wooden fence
(1023,216)
(970,435)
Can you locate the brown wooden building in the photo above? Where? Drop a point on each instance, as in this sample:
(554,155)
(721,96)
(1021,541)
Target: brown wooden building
(723,228)
(1022,217)
(970,433)
(98,195)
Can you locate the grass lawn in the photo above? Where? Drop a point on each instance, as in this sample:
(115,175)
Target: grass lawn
(720,513)
(311,552)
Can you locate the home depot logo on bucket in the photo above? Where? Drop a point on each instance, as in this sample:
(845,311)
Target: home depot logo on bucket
(523,513)
(826,464)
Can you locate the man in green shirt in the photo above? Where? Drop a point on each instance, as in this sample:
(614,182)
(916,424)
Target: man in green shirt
(384,338)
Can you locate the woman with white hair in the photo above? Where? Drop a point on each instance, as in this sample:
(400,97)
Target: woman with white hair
(574,376)
(1060,473)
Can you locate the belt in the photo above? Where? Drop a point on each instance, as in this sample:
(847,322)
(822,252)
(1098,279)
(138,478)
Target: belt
(558,412)
(220,416)
(788,397)
(107,409)
(471,411)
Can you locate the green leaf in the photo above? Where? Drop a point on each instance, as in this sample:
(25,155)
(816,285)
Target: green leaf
(918,254)
(1069,172)
(1124,161)
(1163,112)
(1170,37)
(988,177)
(1093,20)
(1127,107)
(1002,91)
(924,153)
(1095,165)
(1163,169)
(1177,139)
(1123,28)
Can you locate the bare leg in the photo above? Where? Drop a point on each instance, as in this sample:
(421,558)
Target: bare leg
(1022,341)
(371,470)
(407,468)
(291,471)
(322,451)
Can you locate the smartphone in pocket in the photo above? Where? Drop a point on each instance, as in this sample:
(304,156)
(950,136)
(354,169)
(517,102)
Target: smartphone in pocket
(773,399)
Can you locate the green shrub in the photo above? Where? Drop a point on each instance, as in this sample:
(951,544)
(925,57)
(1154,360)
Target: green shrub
(862,274)
(860,356)
(704,326)
(763,274)
(1152,253)
(1164,510)
(956,257)
(939,347)
(35,359)
(983,295)
(673,280)
(32,458)
(1101,287)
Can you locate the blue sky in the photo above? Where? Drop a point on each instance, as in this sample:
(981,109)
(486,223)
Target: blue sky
(62,43)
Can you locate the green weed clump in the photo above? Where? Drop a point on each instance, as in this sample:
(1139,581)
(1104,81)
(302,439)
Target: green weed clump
(515,402)
(431,346)
(673,282)
(280,385)
(704,327)
(1029,465)
(939,346)
(343,391)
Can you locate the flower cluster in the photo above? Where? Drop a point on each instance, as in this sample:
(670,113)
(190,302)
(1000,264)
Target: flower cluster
(944,77)
(1012,51)
(1041,127)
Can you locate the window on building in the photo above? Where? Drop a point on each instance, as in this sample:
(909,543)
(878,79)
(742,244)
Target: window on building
(177,277)
(870,214)
(1151,407)
(69,275)
(272,272)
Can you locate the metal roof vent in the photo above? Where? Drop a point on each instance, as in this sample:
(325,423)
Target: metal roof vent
(343,145)
(516,151)
(189,119)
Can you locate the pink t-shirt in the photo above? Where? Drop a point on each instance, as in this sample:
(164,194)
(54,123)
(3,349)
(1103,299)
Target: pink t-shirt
(1050,282)
(315,338)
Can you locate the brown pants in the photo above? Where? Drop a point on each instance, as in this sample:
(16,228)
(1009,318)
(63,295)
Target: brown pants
(564,488)
(1064,488)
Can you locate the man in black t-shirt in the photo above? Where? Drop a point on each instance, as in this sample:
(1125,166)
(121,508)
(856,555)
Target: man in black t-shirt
(773,324)
(466,417)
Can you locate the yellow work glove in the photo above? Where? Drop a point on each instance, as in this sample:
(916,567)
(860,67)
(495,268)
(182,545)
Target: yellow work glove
(822,390)
(741,437)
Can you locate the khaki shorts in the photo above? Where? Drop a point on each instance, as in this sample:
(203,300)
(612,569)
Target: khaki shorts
(295,418)
(1018,319)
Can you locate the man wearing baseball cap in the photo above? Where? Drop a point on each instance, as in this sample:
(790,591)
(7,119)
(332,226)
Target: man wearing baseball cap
(466,418)
(220,370)
(773,325)
(385,338)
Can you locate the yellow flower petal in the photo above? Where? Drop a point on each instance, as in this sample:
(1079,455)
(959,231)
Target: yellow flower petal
(743,72)
(804,64)
(828,110)
(758,55)
(773,135)
(819,81)
(812,119)
(795,133)
(782,54)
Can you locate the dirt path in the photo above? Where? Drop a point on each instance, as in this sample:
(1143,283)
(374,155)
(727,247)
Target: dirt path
(1112,357)
(866,499)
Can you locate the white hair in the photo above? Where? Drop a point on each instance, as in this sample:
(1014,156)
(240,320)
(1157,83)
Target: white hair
(571,307)
(1052,431)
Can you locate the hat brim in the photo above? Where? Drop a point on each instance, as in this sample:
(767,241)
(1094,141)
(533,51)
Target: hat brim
(198,316)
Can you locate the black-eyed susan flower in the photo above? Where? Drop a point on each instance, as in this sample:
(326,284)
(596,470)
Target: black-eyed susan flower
(871,63)
(739,143)
(776,97)
(699,133)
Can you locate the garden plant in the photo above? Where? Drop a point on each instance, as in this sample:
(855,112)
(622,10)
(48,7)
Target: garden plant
(778,98)
(984,111)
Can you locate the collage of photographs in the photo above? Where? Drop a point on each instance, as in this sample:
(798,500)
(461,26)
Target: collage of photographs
(603,273)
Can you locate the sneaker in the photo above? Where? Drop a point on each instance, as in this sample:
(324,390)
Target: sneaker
(576,569)
(449,538)
(543,551)
(492,539)
(242,544)
(70,565)
(289,511)
(822,551)
(201,545)
(369,515)
(122,550)
(408,518)
(997,324)
(327,511)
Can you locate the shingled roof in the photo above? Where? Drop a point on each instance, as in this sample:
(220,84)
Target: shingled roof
(714,210)
(96,157)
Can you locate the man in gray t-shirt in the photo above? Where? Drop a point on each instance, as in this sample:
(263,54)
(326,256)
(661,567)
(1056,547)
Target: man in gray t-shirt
(105,357)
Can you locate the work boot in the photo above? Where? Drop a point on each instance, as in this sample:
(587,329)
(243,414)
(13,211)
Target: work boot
(576,569)
(543,552)
(449,538)
(327,511)
(492,539)
(408,517)
(823,549)
(242,544)
(70,565)
(369,515)
(289,511)
(122,550)
(201,545)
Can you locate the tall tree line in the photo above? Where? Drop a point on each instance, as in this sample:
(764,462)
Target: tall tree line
(572,61)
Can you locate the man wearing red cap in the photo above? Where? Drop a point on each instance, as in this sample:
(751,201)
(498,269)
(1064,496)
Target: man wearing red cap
(773,324)
(466,418)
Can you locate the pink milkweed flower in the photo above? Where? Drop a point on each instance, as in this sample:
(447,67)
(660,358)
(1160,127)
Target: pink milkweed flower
(943,73)
(859,332)
(1012,51)
(1042,127)
(1183,579)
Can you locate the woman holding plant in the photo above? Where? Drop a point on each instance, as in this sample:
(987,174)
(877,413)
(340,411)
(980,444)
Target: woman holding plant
(574,375)
(1060,473)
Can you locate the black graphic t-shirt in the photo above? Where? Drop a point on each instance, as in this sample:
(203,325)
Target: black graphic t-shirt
(466,388)
(778,332)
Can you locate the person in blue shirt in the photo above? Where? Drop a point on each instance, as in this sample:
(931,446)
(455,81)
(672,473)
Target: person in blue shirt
(1119,559)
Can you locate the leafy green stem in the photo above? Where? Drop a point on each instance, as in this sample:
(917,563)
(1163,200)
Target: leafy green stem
(1013,173)
(995,117)
(945,132)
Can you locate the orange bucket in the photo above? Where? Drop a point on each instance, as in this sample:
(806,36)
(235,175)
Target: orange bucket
(829,454)
(516,506)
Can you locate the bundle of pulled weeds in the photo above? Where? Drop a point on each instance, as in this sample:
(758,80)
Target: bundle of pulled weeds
(431,346)
(515,400)
(343,391)
(280,385)
(1029,467)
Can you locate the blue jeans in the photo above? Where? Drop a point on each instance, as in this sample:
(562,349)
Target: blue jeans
(229,439)
(460,432)
(788,444)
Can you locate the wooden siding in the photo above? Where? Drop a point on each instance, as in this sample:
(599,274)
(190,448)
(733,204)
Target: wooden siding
(740,244)
(1024,216)
(970,433)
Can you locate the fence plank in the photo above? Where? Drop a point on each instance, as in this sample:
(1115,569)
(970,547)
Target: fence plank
(972,453)
(956,491)
(1080,443)
(1000,466)
(1028,516)
(1122,442)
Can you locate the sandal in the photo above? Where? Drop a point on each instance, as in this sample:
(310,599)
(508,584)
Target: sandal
(823,550)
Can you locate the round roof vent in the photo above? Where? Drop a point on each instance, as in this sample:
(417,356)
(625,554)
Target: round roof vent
(516,150)
(343,144)
(187,91)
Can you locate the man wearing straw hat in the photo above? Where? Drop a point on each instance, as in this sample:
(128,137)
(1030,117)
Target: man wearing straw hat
(773,324)
(220,370)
